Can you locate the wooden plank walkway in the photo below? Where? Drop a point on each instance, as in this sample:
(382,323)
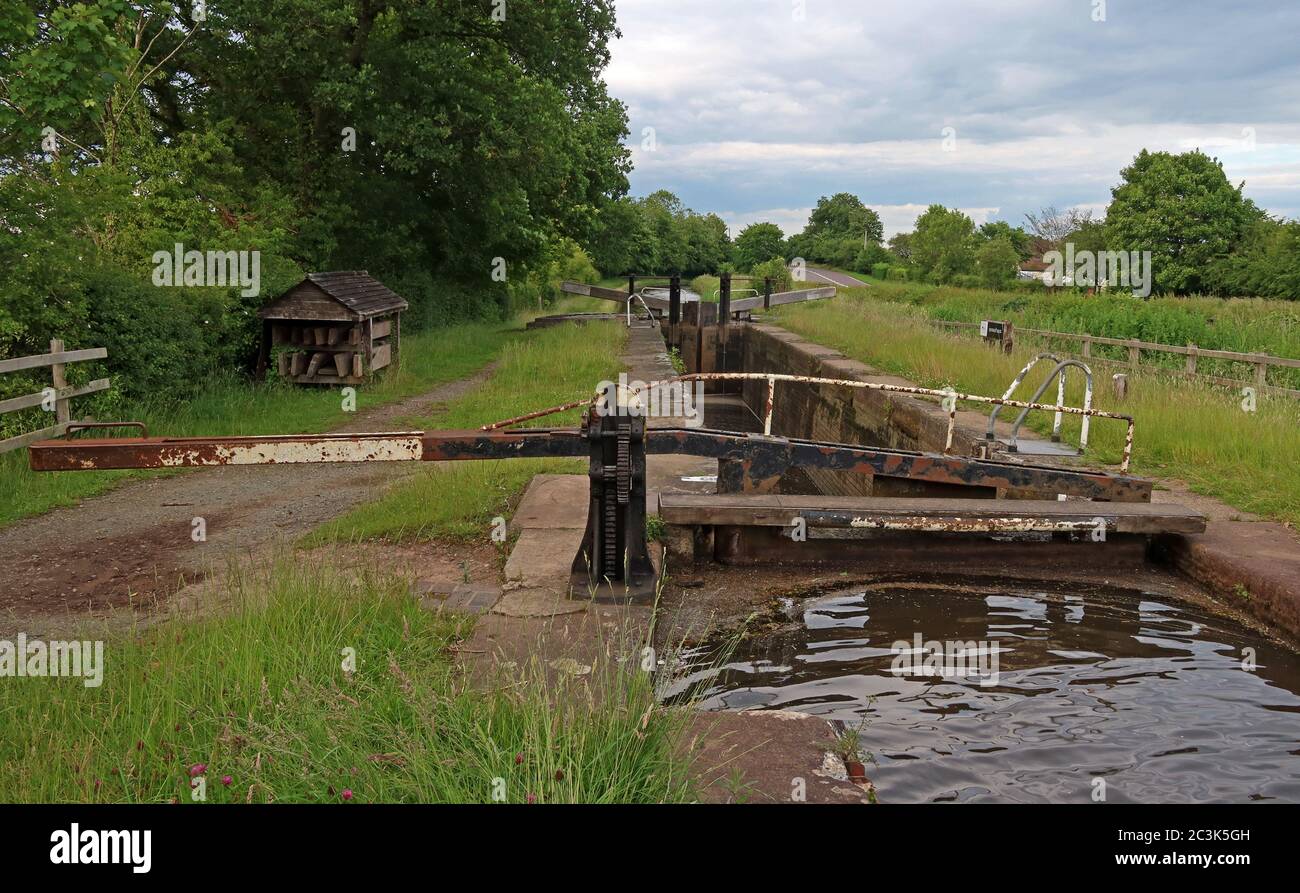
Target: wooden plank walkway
(928,515)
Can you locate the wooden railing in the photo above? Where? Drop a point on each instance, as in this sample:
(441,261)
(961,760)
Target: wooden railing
(56,398)
(1260,361)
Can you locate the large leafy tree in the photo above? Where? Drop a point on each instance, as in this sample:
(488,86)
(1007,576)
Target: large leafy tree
(996,261)
(943,245)
(757,243)
(1020,240)
(838,228)
(657,235)
(844,216)
(409,138)
(1183,210)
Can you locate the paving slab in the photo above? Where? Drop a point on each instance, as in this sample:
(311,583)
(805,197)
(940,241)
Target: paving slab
(544,555)
(537,602)
(554,501)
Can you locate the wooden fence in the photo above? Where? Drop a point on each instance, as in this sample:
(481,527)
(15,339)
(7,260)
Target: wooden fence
(59,395)
(1260,361)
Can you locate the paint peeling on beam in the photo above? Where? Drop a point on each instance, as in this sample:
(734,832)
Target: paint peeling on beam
(195,452)
(399,446)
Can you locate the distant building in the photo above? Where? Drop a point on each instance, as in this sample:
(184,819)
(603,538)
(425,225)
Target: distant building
(1034,269)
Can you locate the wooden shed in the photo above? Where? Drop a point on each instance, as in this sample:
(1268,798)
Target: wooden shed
(332,328)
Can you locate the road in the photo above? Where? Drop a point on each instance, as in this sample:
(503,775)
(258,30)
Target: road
(834,278)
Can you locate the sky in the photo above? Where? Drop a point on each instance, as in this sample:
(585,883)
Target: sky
(753,109)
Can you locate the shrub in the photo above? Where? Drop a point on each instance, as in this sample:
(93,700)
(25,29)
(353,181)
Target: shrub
(776,270)
(870,256)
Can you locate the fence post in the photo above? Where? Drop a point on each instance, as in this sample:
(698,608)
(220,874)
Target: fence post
(1120,383)
(1261,371)
(1134,354)
(1087,347)
(62,412)
(1190,367)
(767,292)
(724,299)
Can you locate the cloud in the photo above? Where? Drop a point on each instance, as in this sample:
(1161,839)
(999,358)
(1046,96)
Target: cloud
(761,112)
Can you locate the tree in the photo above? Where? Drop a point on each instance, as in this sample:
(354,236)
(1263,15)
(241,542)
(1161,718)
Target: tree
(1051,227)
(870,256)
(664,213)
(471,139)
(1019,239)
(708,247)
(901,246)
(844,216)
(996,262)
(1265,264)
(1183,210)
(837,229)
(943,244)
(621,240)
(757,243)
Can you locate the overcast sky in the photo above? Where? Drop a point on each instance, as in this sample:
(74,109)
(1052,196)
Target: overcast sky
(757,111)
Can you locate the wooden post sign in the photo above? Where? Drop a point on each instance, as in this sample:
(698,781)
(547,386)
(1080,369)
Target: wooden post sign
(998,331)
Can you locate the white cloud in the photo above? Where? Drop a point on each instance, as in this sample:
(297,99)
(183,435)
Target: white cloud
(762,114)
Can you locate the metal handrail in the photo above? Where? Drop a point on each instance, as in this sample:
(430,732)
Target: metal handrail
(950,398)
(1060,399)
(1059,374)
(1060,394)
(644,306)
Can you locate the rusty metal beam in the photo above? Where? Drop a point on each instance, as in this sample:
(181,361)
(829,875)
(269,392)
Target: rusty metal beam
(399,446)
(749,462)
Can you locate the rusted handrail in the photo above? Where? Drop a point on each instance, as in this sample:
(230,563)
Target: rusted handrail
(506,423)
(950,398)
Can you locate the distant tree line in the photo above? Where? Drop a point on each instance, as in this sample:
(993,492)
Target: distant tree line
(657,235)
(1204,235)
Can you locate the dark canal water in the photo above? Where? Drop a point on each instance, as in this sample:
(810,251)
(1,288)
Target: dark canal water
(1165,702)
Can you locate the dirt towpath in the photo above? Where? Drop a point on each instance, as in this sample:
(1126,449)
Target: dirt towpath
(133,544)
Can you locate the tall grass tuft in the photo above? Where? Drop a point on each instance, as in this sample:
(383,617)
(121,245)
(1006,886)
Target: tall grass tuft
(257,702)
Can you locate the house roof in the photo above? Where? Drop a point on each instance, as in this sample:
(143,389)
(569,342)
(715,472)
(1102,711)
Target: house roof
(356,290)
(1034,265)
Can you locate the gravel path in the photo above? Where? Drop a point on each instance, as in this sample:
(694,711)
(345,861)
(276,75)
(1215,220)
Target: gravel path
(133,544)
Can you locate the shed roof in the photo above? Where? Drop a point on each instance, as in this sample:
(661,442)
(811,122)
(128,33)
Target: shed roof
(356,290)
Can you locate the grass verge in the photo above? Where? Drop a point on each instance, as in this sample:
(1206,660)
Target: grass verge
(548,367)
(1244,325)
(256,702)
(235,406)
(1200,435)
